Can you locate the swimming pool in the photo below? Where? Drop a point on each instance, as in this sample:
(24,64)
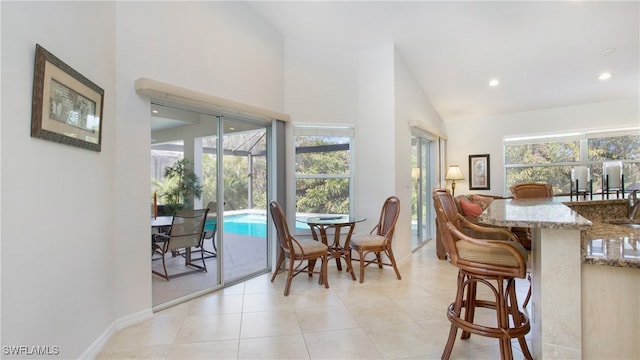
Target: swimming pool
(249,224)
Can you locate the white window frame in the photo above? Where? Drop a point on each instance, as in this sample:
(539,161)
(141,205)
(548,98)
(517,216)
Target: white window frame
(580,135)
(328,130)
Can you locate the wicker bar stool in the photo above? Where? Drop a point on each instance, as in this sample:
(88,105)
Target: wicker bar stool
(492,263)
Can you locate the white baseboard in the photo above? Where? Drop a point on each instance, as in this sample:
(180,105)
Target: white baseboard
(118,324)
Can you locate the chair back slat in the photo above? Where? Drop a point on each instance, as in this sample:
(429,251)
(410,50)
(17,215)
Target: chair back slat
(389,217)
(531,190)
(282,227)
(187,229)
(446,211)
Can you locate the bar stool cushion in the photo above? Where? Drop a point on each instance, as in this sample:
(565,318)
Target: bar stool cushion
(488,255)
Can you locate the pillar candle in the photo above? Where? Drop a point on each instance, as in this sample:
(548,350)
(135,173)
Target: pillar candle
(613,171)
(580,173)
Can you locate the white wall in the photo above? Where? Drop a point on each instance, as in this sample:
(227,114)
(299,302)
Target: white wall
(373,89)
(411,105)
(321,83)
(375,133)
(321,87)
(484,135)
(75,263)
(57,200)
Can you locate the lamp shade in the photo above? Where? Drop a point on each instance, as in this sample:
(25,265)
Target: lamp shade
(454,173)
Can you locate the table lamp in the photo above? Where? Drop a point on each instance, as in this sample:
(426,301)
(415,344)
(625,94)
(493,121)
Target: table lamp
(454,173)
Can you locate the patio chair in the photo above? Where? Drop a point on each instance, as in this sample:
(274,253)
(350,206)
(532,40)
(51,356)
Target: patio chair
(186,232)
(378,240)
(211,225)
(297,251)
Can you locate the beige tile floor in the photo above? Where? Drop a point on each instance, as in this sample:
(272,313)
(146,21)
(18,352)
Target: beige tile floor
(384,318)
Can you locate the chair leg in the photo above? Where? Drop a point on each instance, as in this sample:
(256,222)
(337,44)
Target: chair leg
(393,262)
(278,265)
(526,299)
(456,307)
(312,265)
(362,263)
(164,266)
(350,265)
(324,272)
(204,264)
(502,313)
(518,319)
(289,277)
(188,256)
(470,308)
(379,259)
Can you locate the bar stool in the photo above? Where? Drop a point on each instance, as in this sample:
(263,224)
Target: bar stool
(493,263)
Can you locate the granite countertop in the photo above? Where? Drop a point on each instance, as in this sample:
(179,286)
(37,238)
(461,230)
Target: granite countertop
(540,213)
(611,245)
(603,241)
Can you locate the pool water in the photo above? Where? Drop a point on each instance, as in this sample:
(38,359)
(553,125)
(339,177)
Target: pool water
(249,224)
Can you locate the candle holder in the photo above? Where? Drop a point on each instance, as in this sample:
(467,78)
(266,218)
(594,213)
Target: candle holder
(576,190)
(581,178)
(612,179)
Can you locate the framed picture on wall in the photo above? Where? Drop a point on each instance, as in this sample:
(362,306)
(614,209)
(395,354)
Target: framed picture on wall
(66,106)
(479,177)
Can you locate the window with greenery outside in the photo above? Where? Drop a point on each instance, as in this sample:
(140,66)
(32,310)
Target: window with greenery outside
(552,161)
(323,174)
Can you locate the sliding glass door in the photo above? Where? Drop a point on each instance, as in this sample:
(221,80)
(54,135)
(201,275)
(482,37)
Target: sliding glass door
(422,175)
(244,170)
(229,158)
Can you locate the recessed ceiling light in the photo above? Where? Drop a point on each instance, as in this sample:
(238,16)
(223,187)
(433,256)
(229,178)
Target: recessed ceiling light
(154,111)
(604,76)
(494,82)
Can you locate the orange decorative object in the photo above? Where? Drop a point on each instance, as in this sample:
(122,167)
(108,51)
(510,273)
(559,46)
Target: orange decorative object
(155,206)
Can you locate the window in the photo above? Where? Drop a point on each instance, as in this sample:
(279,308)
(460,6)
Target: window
(551,158)
(323,169)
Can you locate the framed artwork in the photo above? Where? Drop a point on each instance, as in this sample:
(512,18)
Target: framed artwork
(67,107)
(479,177)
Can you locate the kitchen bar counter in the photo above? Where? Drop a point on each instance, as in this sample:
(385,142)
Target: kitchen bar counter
(555,308)
(586,276)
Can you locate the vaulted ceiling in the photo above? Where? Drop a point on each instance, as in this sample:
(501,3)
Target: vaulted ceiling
(544,54)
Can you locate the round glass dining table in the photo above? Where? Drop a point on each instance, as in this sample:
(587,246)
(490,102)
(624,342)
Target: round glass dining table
(338,248)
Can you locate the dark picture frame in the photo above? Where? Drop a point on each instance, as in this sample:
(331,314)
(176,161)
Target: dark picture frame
(66,106)
(479,172)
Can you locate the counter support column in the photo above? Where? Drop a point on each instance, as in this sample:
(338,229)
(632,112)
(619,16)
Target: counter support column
(556,301)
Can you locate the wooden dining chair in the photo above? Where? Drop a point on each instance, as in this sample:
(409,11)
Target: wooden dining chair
(297,251)
(379,239)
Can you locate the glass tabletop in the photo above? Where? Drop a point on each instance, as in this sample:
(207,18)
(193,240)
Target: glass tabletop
(330,219)
(161,221)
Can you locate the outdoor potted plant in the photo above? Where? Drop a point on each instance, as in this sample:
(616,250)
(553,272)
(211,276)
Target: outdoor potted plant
(179,188)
